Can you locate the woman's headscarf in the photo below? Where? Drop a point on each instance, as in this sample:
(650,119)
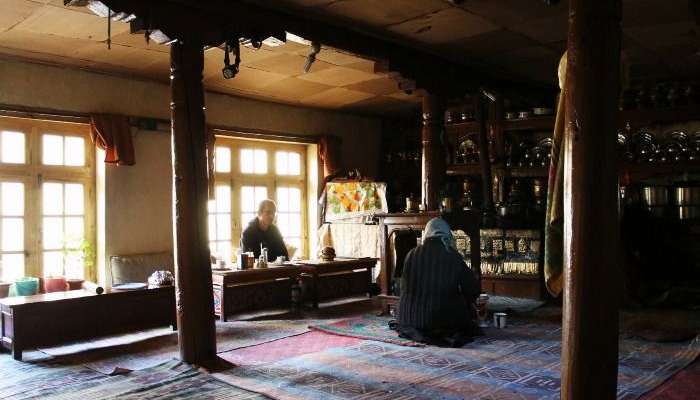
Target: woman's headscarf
(438,228)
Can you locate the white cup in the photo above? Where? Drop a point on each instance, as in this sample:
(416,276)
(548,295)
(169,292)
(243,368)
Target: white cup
(500,320)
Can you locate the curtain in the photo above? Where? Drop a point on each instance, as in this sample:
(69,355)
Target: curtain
(112,133)
(211,160)
(329,150)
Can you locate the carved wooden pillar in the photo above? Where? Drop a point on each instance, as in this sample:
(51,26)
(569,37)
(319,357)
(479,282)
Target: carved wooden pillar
(591,233)
(433,161)
(193,284)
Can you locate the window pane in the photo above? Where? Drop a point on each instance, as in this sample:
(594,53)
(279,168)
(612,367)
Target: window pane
(294,199)
(283,224)
(74,228)
(212,226)
(223,159)
(211,206)
(12,147)
(294,225)
(12,234)
(52,198)
(223,227)
(12,267)
(248,199)
(75,265)
(74,199)
(53,233)
(224,251)
(246,218)
(223,199)
(12,198)
(260,161)
(282,199)
(294,164)
(75,151)
(52,150)
(53,263)
(281,162)
(296,242)
(247,161)
(260,195)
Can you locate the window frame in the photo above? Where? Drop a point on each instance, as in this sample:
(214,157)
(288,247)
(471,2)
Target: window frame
(236,180)
(33,173)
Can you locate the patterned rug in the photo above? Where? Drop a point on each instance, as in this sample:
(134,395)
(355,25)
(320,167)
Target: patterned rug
(520,362)
(146,349)
(310,342)
(172,379)
(366,326)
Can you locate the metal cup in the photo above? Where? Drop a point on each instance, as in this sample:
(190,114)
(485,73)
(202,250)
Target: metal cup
(500,320)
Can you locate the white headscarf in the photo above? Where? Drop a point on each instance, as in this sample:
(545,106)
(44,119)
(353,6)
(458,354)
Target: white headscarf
(437,227)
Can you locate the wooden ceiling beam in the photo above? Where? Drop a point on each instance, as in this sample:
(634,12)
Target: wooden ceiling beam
(215,21)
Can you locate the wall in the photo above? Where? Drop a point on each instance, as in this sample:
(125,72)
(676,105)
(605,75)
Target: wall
(137,214)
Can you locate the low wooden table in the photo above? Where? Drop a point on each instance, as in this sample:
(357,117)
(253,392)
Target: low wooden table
(225,281)
(61,317)
(318,268)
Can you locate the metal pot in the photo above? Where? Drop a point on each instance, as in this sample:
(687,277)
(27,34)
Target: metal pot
(655,196)
(687,196)
(688,212)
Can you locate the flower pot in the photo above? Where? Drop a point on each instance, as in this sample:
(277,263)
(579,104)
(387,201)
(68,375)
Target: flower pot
(75,284)
(26,286)
(54,284)
(4,289)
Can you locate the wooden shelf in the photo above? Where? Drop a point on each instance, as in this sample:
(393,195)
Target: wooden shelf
(462,127)
(526,172)
(658,115)
(640,171)
(526,277)
(464,169)
(543,123)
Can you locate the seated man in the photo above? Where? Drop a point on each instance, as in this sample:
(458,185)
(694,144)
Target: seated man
(438,291)
(262,231)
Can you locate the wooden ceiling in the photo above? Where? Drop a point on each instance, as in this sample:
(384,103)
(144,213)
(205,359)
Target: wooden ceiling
(48,31)
(521,39)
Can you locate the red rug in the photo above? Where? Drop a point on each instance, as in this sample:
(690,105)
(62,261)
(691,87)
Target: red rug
(682,386)
(306,343)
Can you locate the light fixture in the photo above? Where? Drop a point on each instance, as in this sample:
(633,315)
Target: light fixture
(315,49)
(229,71)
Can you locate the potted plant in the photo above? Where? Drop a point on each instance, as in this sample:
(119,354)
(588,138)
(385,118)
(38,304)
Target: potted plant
(86,254)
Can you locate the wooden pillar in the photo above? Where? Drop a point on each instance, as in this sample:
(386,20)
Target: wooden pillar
(433,160)
(193,283)
(591,232)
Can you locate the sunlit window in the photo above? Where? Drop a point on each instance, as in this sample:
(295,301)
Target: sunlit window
(12,230)
(289,215)
(63,227)
(47,199)
(251,196)
(12,147)
(253,161)
(223,159)
(220,223)
(288,163)
(63,150)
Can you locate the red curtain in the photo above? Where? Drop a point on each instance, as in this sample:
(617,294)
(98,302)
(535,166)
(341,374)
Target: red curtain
(329,149)
(112,133)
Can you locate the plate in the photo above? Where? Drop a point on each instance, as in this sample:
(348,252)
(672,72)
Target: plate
(130,286)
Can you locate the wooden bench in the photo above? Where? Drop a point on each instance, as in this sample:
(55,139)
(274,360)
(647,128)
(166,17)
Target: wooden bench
(57,318)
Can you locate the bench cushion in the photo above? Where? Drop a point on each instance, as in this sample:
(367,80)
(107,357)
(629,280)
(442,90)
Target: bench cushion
(138,267)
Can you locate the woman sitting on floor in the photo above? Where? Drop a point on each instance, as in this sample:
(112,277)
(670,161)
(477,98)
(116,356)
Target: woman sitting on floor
(438,292)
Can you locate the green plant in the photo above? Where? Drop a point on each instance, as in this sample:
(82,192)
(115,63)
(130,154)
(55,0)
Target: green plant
(82,249)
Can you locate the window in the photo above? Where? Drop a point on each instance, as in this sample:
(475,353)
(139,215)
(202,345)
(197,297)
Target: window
(46,198)
(247,172)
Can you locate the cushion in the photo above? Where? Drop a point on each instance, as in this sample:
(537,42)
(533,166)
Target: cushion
(138,267)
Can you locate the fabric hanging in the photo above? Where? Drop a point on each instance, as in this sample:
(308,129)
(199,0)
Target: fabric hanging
(211,160)
(112,133)
(554,222)
(329,151)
